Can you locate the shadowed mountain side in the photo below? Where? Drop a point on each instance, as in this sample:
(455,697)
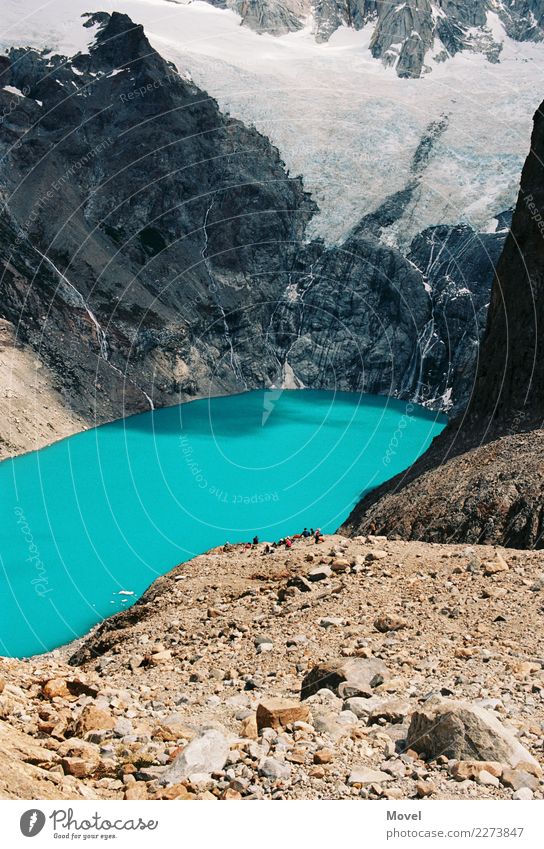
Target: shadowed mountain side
(153,250)
(483,478)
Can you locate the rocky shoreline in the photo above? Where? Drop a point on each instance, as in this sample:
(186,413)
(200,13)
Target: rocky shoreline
(357,668)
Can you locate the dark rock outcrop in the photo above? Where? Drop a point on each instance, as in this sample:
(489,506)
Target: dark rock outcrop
(509,388)
(155,250)
(140,227)
(483,479)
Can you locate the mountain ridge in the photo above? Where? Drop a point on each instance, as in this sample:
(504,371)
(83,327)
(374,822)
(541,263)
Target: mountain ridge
(177,261)
(405,34)
(482,480)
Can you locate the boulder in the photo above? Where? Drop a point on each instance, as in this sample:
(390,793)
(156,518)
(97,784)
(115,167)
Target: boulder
(524,794)
(320,573)
(464,731)
(389,710)
(55,688)
(484,777)
(278,713)
(362,707)
(323,756)
(360,674)
(136,791)
(300,583)
(499,565)
(518,778)
(463,770)
(158,657)
(390,623)
(331,724)
(123,727)
(79,758)
(340,565)
(207,753)
(248,727)
(92,718)
(377,554)
(274,769)
(364,775)
(173,728)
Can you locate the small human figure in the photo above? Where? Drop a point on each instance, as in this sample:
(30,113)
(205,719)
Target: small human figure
(318,536)
(255,540)
(306,533)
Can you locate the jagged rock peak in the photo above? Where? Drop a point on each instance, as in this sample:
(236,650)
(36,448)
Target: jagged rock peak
(118,40)
(406,34)
(510,382)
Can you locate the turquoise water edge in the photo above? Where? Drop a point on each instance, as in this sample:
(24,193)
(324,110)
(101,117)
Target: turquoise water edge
(88,523)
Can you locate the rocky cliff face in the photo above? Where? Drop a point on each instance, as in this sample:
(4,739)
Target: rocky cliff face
(483,478)
(405,35)
(509,389)
(155,250)
(139,227)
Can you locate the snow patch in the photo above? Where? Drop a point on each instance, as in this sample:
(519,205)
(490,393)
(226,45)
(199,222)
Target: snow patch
(349,125)
(12,90)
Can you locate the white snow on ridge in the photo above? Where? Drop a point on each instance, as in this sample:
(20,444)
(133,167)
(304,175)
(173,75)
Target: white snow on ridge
(12,90)
(338,117)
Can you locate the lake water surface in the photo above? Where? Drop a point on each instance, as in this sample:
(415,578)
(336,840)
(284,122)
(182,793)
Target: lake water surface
(102,514)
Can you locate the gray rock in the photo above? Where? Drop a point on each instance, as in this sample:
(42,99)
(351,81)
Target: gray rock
(464,731)
(262,639)
(390,710)
(298,640)
(361,707)
(320,573)
(123,727)
(523,795)
(518,778)
(359,673)
(365,775)
(274,769)
(207,753)
(347,717)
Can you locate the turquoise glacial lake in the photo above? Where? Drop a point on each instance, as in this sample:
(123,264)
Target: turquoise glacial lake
(87,524)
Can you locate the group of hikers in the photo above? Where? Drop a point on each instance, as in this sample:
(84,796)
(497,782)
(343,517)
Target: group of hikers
(287,542)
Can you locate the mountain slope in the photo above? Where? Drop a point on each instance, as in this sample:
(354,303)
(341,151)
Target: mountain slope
(483,478)
(155,249)
(135,215)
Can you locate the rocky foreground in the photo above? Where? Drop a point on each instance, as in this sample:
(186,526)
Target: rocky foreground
(359,668)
